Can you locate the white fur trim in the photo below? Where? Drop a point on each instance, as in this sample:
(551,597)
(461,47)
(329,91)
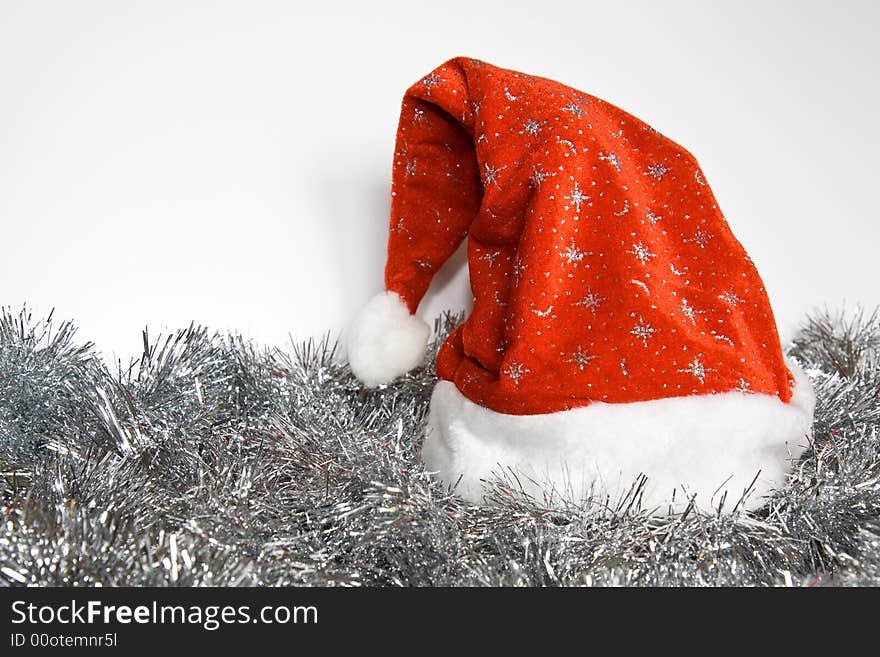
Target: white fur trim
(385,341)
(700,445)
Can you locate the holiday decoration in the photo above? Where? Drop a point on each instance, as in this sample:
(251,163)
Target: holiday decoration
(212,461)
(618,328)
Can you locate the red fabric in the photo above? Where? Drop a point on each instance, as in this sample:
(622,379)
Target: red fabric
(601,265)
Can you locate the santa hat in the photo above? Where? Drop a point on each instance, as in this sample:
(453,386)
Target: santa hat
(618,328)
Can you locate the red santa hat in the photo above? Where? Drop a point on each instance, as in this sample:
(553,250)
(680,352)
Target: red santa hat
(618,328)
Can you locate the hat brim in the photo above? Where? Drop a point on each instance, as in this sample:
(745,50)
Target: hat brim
(707,446)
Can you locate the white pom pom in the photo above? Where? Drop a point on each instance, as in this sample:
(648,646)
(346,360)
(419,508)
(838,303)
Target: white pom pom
(385,340)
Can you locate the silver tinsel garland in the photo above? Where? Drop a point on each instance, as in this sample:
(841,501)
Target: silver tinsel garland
(212,461)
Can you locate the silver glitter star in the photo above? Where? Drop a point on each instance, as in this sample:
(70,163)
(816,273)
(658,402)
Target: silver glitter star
(492,174)
(577,197)
(518,270)
(699,178)
(641,252)
(643,331)
(700,238)
(489,257)
(572,254)
(581,358)
(515,371)
(591,301)
(625,209)
(657,171)
(430,82)
(688,311)
(744,386)
(539,175)
(731,298)
(418,115)
(575,109)
(533,127)
(611,158)
(697,369)
(652,218)
(410,167)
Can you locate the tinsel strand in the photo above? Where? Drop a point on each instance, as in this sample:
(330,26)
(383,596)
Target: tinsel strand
(212,461)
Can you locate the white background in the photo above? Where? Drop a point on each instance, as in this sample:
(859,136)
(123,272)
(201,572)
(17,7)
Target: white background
(229,162)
